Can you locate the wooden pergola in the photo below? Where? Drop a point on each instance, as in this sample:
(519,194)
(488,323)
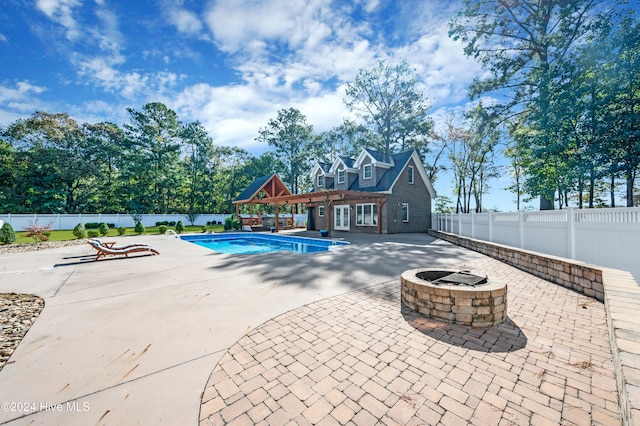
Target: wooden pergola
(266,187)
(277,194)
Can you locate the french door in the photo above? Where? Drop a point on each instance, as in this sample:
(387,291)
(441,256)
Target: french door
(341,218)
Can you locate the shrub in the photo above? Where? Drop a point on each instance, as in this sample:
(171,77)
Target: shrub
(111,225)
(79,231)
(179,227)
(37,232)
(164,222)
(204,229)
(104,229)
(163,229)
(232,223)
(7,234)
(122,230)
(91,225)
(93,233)
(139,229)
(172,223)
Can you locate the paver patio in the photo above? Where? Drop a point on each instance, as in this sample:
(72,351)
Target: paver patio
(362,358)
(320,338)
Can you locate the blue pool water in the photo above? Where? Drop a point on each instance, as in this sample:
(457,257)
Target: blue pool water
(242,243)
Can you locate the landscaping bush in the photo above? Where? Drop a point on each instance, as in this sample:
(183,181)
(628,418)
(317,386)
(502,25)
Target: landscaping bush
(38,232)
(172,223)
(164,222)
(92,225)
(122,230)
(139,229)
(179,227)
(162,229)
(104,229)
(79,231)
(204,229)
(93,233)
(7,234)
(232,223)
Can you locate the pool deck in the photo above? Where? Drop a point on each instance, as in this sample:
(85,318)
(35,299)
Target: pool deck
(195,336)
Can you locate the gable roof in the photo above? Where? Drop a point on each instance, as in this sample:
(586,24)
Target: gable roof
(377,158)
(272,185)
(349,164)
(399,162)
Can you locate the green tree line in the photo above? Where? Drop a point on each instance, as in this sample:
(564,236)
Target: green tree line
(562,80)
(49,163)
(156,163)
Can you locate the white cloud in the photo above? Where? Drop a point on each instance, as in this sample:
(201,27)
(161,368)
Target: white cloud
(292,22)
(19,101)
(21,91)
(186,21)
(61,12)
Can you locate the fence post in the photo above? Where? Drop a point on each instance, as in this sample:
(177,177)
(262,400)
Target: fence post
(521,227)
(460,223)
(473,224)
(571,231)
(490,219)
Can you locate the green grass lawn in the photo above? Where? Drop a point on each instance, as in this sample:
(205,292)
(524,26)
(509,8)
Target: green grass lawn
(67,235)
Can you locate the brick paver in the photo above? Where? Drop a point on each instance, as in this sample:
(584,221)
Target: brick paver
(364,358)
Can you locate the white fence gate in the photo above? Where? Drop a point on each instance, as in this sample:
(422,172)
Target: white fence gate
(605,237)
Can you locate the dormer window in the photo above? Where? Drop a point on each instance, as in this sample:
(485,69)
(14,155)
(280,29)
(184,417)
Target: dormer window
(410,174)
(320,180)
(366,171)
(340,176)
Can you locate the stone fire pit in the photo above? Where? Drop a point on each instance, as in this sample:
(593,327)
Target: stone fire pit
(457,297)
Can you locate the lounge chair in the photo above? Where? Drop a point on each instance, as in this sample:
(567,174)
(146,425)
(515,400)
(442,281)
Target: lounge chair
(111,244)
(104,251)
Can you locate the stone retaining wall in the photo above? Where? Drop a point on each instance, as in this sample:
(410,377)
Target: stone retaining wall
(617,289)
(579,276)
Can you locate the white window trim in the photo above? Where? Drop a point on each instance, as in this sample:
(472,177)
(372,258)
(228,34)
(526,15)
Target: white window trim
(411,175)
(364,171)
(341,176)
(402,212)
(373,215)
(321,211)
(318,180)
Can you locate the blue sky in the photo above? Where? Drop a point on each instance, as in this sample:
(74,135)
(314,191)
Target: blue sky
(229,67)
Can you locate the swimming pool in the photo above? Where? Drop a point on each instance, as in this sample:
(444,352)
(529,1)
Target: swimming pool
(243,243)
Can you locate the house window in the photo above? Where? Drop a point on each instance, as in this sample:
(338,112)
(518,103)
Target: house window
(405,212)
(340,176)
(410,174)
(366,171)
(320,180)
(366,215)
(321,211)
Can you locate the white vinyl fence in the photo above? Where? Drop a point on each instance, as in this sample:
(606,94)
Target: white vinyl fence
(605,237)
(69,221)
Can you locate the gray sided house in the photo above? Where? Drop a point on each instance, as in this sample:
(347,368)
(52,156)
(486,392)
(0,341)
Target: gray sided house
(373,193)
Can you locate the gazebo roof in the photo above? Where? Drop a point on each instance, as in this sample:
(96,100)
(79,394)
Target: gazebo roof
(271,185)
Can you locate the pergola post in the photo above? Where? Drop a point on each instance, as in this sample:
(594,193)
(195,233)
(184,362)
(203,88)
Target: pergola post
(329,213)
(379,205)
(277,219)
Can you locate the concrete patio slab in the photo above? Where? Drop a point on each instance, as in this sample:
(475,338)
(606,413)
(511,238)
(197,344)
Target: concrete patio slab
(135,340)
